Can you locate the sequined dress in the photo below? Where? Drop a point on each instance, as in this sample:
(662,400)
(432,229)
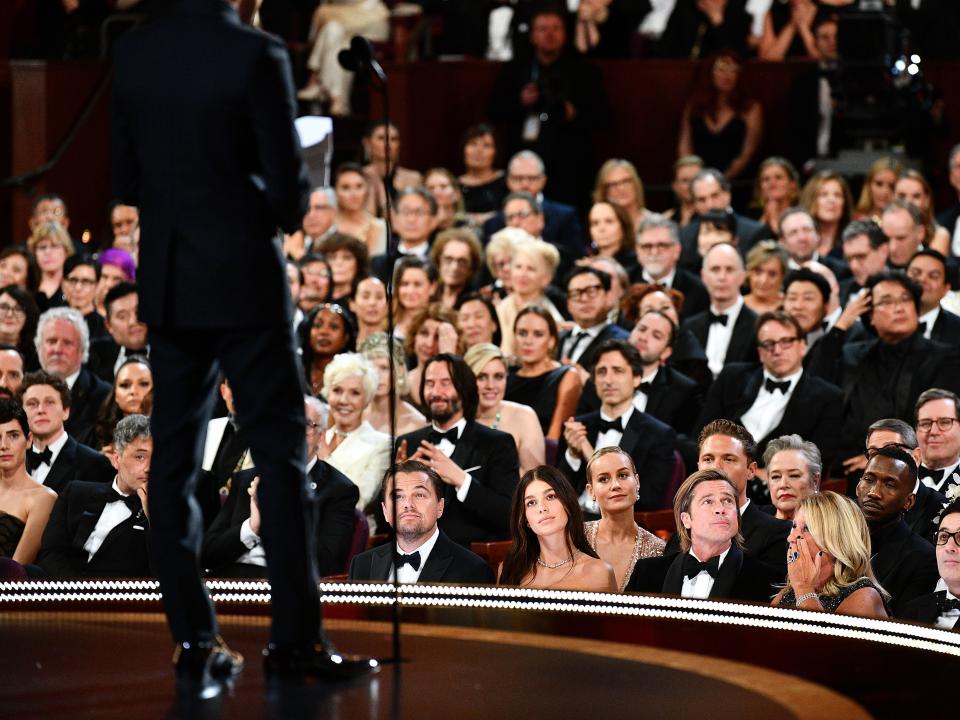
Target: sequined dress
(830,603)
(647,545)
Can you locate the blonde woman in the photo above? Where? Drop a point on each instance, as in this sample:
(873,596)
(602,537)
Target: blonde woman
(618,182)
(533,266)
(877,188)
(51,245)
(377,413)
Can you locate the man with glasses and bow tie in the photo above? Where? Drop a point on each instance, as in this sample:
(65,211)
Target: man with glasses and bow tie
(617,374)
(938,432)
(942,607)
(587,290)
(479,466)
(414,491)
(777,397)
(101,530)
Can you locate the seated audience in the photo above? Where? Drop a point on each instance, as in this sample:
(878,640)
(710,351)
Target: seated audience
(478,320)
(11,370)
(611,233)
(523,211)
(941,607)
(318,223)
(913,188)
(938,431)
(865,250)
(412,497)
(658,252)
(534,264)
(613,482)
(414,286)
(348,260)
(25,505)
(478,466)
(377,412)
(432,330)
(801,239)
(550,548)
(457,254)
(325,332)
(80,277)
(793,473)
(51,246)
(684,169)
(376,170)
(232,545)
(711,564)
(127,334)
(18,267)
(101,530)
(351,445)
(116,266)
(551,388)
(55,459)
(369,307)
(767,265)
(18,323)
(903,562)
(902,223)
(499,254)
(618,183)
(877,188)
(414,220)
(489,366)
(446,190)
(775,189)
(316,286)
(132,394)
(828,560)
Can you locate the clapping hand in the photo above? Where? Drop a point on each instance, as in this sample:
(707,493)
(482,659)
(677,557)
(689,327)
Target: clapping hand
(433,457)
(575,434)
(254,506)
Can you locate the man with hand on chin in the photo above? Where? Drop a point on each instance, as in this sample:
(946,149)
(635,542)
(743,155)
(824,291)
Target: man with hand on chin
(479,466)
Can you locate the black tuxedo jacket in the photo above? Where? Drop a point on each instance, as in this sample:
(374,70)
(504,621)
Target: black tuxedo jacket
(86,397)
(905,565)
(814,411)
(923,609)
(741,577)
(946,329)
(695,296)
(103,356)
(447,562)
(749,233)
(948,218)
(927,506)
(743,341)
(609,332)
(74,516)
(484,515)
(78,462)
(647,440)
(333,498)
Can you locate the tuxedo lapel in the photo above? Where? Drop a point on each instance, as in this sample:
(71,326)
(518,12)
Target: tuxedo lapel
(673,582)
(380,564)
(631,433)
(657,392)
(728,574)
(435,568)
(751,388)
(742,336)
(463,450)
(61,466)
(124,529)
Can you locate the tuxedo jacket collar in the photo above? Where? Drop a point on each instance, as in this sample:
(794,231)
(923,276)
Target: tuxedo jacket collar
(723,584)
(62,465)
(434,568)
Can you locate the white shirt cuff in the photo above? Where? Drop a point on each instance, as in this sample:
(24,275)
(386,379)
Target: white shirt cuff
(247,536)
(464,489)
(572,461)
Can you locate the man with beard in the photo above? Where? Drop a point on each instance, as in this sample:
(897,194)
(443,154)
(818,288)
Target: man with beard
(11,370)
(479,467)
(426,553)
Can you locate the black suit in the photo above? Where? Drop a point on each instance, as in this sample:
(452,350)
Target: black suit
(695,296)
(740,577)
(925,508)
(948,218)
(645,439)
(74,517)
(813,411)
(484,514)
(86,397)
(205,146)
(923,609)
(946,329)
(904,564)
(743,341)
(334,499)
(748,233)
(586,359)
(77,462)
(103,357)
(447,562)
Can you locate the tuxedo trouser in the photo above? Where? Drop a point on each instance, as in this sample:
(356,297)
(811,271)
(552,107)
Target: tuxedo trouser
(265,378)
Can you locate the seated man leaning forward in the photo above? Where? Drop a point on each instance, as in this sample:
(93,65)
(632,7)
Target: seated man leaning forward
(414,492)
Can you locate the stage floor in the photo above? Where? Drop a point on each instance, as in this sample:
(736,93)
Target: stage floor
(117,665)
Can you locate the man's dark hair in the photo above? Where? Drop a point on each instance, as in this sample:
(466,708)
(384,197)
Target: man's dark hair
(807,275)
(936,394)
(74,261)
(897,453)
(628,351)
(602,275)
(120,290)
(42,377)
(784,318)
(730,429)
(865,227)
(43,197)
(12,410)
(711,173)
(535,207)
(931,253)
(797,210)
(899,277)
(950,509)
(411,466)
(464,381)
(894,425)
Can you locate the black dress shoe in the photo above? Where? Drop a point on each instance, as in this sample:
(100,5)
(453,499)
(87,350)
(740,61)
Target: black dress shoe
(204,667)
(321,662)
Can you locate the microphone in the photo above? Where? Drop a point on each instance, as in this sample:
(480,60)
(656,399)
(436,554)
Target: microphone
(358,55)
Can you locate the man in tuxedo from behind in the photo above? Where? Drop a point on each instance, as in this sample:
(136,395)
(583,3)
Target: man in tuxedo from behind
(777,397)
(711,563)
(11,371)
(414,492)
(99,529)
(904,563)
(942,606)
(617,374)
(128,336)
(213,182)
(479,466)
(658,252)
(56,459)
(63,345)
(232,547)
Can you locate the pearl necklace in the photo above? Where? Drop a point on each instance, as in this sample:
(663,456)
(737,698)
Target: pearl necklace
(554,566)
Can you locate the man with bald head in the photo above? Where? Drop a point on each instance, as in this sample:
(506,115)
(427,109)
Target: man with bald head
(726,329)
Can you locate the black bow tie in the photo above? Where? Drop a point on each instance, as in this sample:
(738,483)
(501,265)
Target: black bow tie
(693,567)
(945,604)
(131,501)
(935,475)
(436,436)
(608,425)
(35,459)
(923,328)
(644,388)
(722,319)
(413,560)
(771,385)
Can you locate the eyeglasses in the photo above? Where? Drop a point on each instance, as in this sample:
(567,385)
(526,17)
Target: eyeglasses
(587,293)
(871,452)
(944,535)
(79,282)
(413,212)
(889,302)
(11,310)
(783,343)
(944,423)
(459,262)
(519,215)
(650,247)
(524,178)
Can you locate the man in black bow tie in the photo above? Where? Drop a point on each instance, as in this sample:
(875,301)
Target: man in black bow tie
(942,607)
(415,492)
(711,564)
(479,466)
(56,459)
(100,530)
(938,432)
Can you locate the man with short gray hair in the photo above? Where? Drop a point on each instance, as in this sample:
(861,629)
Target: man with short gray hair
(318,222)
(658,252)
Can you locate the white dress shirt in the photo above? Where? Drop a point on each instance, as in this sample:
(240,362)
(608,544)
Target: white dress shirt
(42,470)
(447,448)
(406,572)
(948,620)
(71,379)
(768,407)
(945,480)
(610,438)
(421,251)
(699,586)
(574,346)
(718,336)
(113,514)
(930,318)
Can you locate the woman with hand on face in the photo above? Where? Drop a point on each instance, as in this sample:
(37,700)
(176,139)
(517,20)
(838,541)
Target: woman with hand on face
(326,331)
(433,330)
(613,482)
(478,320)
(488,364)
(377,413)
(414,286)
(132,394)
(18,323)
(445,188)
(793,474)
(828,560)
(534,263)
(51,246)
(549,548)
(351,444)
(353,217)
(369,307)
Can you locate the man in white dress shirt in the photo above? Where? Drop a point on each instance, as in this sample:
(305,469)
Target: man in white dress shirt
(938,432)
(942,606)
